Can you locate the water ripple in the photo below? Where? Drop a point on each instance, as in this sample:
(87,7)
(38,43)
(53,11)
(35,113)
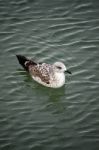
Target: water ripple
(32,116)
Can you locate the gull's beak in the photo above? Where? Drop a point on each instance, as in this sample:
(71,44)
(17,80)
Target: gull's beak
(67,71)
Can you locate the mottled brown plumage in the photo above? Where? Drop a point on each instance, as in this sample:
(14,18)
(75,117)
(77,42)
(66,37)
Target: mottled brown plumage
(41,72)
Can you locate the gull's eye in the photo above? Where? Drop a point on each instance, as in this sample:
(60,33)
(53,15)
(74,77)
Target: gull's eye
(59,67)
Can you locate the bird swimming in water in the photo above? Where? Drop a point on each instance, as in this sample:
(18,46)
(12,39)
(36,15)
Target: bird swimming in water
(49,75)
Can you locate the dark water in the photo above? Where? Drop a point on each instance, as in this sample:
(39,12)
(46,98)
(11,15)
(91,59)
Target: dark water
(33,117)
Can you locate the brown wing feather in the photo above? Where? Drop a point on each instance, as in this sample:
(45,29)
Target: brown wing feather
(41,72)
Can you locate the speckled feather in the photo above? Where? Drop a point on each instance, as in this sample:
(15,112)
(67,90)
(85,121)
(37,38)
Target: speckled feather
(43,71)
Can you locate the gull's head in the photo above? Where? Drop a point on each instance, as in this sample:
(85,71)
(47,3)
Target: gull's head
(60,67)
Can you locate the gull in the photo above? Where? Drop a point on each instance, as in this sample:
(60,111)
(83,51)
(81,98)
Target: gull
(49,75)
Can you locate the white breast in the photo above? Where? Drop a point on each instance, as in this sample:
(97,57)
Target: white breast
(60,79)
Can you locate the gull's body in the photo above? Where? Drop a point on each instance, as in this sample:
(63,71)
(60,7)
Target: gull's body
(46,74)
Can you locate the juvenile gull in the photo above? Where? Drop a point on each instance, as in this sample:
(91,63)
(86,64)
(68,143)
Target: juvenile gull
(49,75)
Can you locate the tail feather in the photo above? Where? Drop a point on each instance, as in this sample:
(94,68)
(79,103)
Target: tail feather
(24,62)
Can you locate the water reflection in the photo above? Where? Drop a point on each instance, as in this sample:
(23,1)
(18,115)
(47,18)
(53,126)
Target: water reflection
(54,97)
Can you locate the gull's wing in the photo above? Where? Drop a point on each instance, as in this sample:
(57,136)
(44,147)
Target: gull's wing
(42,71)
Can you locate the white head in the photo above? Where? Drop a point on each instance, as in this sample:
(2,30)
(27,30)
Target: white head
(60,67)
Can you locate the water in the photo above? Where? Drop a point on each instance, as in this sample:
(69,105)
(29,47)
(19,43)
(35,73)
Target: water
(33,117)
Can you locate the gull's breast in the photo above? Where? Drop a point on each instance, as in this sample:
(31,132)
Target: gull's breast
(59,80)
